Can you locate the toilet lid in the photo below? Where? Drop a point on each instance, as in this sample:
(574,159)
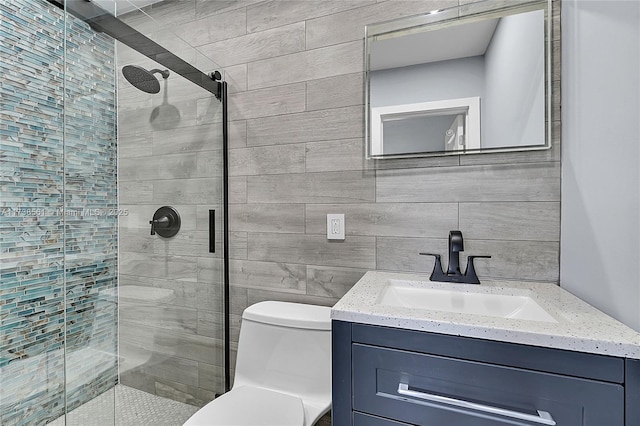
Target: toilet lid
(249,406)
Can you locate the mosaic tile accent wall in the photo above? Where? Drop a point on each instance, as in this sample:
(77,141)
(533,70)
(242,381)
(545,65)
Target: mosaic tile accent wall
(58,213)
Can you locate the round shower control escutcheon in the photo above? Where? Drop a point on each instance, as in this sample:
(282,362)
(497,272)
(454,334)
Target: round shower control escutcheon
(165,222)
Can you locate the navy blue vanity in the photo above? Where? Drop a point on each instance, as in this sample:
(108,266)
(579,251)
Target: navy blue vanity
(394,365)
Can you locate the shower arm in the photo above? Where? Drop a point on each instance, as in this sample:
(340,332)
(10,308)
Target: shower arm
(163,73)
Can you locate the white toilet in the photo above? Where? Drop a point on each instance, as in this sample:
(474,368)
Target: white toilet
(283,369)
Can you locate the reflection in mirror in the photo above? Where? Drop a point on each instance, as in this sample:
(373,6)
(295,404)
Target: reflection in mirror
(440,84)
(450,125)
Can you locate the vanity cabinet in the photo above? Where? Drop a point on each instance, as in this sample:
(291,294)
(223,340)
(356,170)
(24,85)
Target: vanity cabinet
(385,376)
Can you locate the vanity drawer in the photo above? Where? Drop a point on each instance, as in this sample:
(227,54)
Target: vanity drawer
(424,389)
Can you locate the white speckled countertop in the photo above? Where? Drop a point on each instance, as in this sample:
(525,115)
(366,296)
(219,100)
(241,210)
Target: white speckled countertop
(580,327)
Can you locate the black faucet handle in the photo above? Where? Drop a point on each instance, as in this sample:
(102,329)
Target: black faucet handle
(470,258)
(437,256)
(437,274)
(470,274)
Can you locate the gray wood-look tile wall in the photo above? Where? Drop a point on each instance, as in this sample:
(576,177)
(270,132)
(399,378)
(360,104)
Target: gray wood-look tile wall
(295,69)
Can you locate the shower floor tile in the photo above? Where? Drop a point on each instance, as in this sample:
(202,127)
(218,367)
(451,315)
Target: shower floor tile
(132,408)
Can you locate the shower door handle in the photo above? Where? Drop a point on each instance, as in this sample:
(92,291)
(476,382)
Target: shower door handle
(212,231)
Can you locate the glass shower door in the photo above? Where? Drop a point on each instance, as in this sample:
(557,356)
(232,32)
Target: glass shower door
(48,282)
(171,288)
(90,218)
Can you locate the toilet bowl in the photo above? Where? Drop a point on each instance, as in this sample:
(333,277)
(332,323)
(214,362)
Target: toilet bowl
(283,369)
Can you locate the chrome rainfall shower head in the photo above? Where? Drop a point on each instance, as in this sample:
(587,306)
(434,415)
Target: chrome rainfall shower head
(142,79)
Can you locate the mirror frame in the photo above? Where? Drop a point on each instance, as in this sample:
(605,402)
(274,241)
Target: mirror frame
(449,17)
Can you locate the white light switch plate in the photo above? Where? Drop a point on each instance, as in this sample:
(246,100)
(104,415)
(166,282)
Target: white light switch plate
(335,226)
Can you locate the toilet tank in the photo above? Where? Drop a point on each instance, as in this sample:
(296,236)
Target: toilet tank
(286,347)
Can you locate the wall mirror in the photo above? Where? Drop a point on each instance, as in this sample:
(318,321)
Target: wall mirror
(460,80)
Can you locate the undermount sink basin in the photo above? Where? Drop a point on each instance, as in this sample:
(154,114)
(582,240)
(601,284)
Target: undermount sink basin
(411,294)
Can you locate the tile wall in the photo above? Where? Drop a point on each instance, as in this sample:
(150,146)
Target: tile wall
(295,70)
(58,245)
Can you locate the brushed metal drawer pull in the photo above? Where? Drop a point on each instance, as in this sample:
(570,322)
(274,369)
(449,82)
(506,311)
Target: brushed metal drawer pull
(543,417)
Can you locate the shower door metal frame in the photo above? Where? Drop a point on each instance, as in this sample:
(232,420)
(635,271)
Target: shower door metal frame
(224,96)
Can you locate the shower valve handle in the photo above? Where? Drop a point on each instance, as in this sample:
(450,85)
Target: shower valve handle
(161,222)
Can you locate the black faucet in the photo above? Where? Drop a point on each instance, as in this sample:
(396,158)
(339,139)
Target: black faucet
(454,275)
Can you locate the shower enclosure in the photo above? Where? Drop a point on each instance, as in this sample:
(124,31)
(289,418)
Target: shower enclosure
(90,300)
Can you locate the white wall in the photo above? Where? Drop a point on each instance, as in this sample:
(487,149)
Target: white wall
(600,232)
(514,84)
(456,78)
